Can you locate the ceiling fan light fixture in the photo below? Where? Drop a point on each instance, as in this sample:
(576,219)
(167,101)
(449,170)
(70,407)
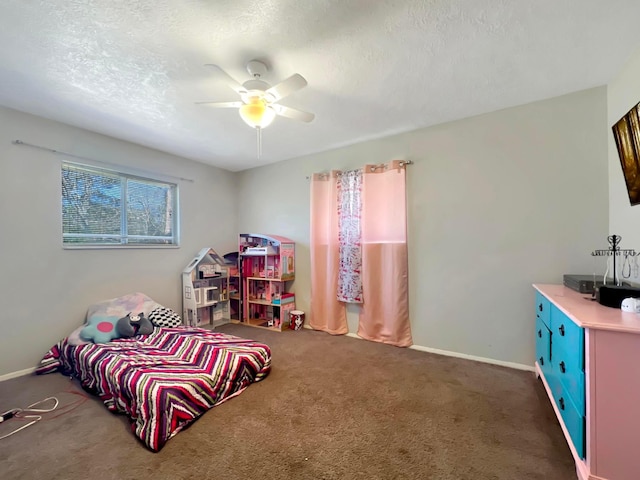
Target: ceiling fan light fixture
(256,113)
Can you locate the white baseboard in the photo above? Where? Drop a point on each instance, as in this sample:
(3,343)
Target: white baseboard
(19,373)
(517,366)
(502,363)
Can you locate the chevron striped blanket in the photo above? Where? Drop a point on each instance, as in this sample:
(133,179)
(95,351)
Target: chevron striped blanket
(163,381)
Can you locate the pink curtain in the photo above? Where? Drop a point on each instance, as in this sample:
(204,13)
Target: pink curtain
(384,316)
(327,313)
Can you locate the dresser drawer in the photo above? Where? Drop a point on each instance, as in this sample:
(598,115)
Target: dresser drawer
(568,337)
(566,368)
(573,420)
(543,309)
(543,346)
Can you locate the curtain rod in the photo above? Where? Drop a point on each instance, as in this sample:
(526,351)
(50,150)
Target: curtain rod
(384,165)
(100,162)
(374,167)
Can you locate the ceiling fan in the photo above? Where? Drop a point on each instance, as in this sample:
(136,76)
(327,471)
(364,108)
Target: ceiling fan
(258,106)
(258,100)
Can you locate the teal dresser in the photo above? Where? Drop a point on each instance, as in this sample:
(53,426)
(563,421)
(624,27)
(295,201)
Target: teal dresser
(588,359)
(560,355)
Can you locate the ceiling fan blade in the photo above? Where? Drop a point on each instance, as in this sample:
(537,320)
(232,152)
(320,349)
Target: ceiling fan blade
(292,113)
(286,87)
(232,82)
(222,104)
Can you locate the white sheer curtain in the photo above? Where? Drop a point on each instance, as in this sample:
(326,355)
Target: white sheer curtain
(349,236)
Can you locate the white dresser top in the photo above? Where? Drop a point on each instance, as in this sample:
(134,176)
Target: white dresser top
(588,313)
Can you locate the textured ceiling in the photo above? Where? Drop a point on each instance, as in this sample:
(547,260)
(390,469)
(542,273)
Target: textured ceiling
(132,69)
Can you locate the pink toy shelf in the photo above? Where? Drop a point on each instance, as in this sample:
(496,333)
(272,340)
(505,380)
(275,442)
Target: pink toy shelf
(266,267)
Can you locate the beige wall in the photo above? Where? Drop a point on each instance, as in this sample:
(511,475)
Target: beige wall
(623,93)
(495,203)
(45,290)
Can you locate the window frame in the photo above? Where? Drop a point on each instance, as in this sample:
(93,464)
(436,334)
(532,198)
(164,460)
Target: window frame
(123,176)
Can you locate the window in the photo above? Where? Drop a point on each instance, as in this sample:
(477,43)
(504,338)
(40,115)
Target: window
(107,208)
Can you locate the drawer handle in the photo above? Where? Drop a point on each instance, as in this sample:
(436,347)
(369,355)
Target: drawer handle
(540,307)
(540,333)
(561,401)
(563,367)
(561,329)
(541,361)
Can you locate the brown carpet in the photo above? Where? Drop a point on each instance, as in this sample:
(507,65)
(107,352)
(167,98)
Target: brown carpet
(332,408)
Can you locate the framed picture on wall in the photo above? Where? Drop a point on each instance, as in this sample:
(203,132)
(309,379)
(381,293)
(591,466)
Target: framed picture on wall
(626,133)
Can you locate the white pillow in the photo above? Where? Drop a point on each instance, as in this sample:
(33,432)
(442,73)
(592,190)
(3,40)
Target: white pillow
(121,306)
(74,337)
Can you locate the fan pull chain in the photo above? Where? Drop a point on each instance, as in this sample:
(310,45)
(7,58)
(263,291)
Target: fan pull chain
(259,141)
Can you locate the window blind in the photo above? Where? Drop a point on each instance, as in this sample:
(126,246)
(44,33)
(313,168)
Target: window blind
(108,208)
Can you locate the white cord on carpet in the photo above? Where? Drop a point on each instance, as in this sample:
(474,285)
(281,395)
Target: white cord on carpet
(20,413)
